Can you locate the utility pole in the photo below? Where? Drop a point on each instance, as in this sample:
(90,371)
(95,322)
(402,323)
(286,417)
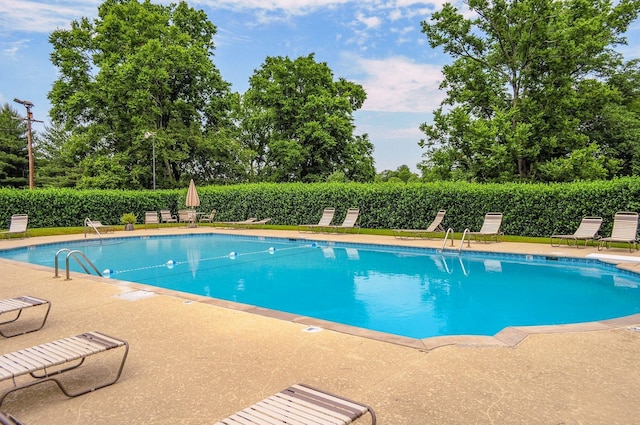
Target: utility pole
(29,119)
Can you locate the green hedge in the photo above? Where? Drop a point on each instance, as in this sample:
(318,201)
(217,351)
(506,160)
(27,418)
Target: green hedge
(529,209)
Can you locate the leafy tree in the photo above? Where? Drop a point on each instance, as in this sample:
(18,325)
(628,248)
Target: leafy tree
(613,118)
(14,159)
(298,123)
(140,67)
(517,88)
(402,174)
(54,166)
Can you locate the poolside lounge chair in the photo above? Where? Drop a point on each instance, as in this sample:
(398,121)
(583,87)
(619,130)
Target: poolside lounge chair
(14,308)
(208,218)
(301,404)
(166,217)
(18,226)
(150,218)
(625,230)
(435,227)
(588,230)
(349,221)
(325,220)
(490,228)
(7,419)
(253,223)
(96,227)
(188,217)
(234,224)
(44,362)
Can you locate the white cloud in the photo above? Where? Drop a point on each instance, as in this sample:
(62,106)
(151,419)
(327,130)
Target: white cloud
(46,15)
(397,84)
(11,49)
(288,7)
(42,16)
(369,22)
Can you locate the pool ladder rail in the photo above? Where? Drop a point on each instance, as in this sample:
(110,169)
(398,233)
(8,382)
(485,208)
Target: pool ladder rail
(465,235)
(89,224)
(79,257)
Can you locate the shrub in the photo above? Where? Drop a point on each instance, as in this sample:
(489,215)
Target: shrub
(529,209)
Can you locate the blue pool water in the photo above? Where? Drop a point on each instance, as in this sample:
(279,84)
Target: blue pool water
(411,292)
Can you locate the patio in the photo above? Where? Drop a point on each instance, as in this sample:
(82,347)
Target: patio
(193,360)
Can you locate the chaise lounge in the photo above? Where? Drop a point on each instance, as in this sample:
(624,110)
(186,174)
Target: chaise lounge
(188,217)
(254,223)
(208,217)
(18,226)
(325,220)
(586,231)
(166,217)
(490,228)
(235,224)
(435,227)
(151,218)
(14,307)
(349,222)
(301,404)
(625,230)
(96,226)
(43,363)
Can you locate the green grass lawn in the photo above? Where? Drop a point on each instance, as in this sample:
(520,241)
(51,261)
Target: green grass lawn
(56,231)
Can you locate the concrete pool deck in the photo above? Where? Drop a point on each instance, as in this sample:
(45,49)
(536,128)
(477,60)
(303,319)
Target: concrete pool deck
(194,360)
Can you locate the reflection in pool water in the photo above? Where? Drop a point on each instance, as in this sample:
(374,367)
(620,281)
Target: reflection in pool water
(404,291)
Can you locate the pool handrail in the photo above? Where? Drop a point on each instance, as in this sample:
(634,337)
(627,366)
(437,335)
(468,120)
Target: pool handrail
(73,254)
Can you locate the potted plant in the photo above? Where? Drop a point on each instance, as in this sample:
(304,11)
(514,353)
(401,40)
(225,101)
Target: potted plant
(128,219)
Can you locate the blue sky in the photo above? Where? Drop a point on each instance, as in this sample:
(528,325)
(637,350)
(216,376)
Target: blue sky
(377,44)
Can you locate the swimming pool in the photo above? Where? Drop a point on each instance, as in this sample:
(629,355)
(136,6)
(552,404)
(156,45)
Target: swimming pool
(410,292)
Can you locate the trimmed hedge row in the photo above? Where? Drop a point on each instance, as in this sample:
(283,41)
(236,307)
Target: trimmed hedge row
(529,209)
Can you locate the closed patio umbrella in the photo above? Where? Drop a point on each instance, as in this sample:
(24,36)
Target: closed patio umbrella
(193,200)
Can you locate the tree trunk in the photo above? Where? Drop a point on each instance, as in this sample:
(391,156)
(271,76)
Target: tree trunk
(522,168)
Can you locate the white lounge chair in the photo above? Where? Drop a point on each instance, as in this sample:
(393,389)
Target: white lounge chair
(301,404)
(490,228)
(11,310)
(208,217)
(586,231)
(349,222)
(625,230)
(234,224)
(43,363)
(166,217)
(325,220)
(434,227)
(18,226)
(253,223)
(188,217)
(96,227)
(151,218)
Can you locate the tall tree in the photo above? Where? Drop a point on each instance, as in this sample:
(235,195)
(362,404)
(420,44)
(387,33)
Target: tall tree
(139,68)
(55,167)
(298,122)
(14,160)
(514,87)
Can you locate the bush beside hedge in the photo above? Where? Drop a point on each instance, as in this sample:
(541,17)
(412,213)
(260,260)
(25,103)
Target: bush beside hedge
(529,209)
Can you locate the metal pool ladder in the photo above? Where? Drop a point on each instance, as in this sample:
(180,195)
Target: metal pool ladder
(89,223)
(464,235)
(79,257)
(446,237)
